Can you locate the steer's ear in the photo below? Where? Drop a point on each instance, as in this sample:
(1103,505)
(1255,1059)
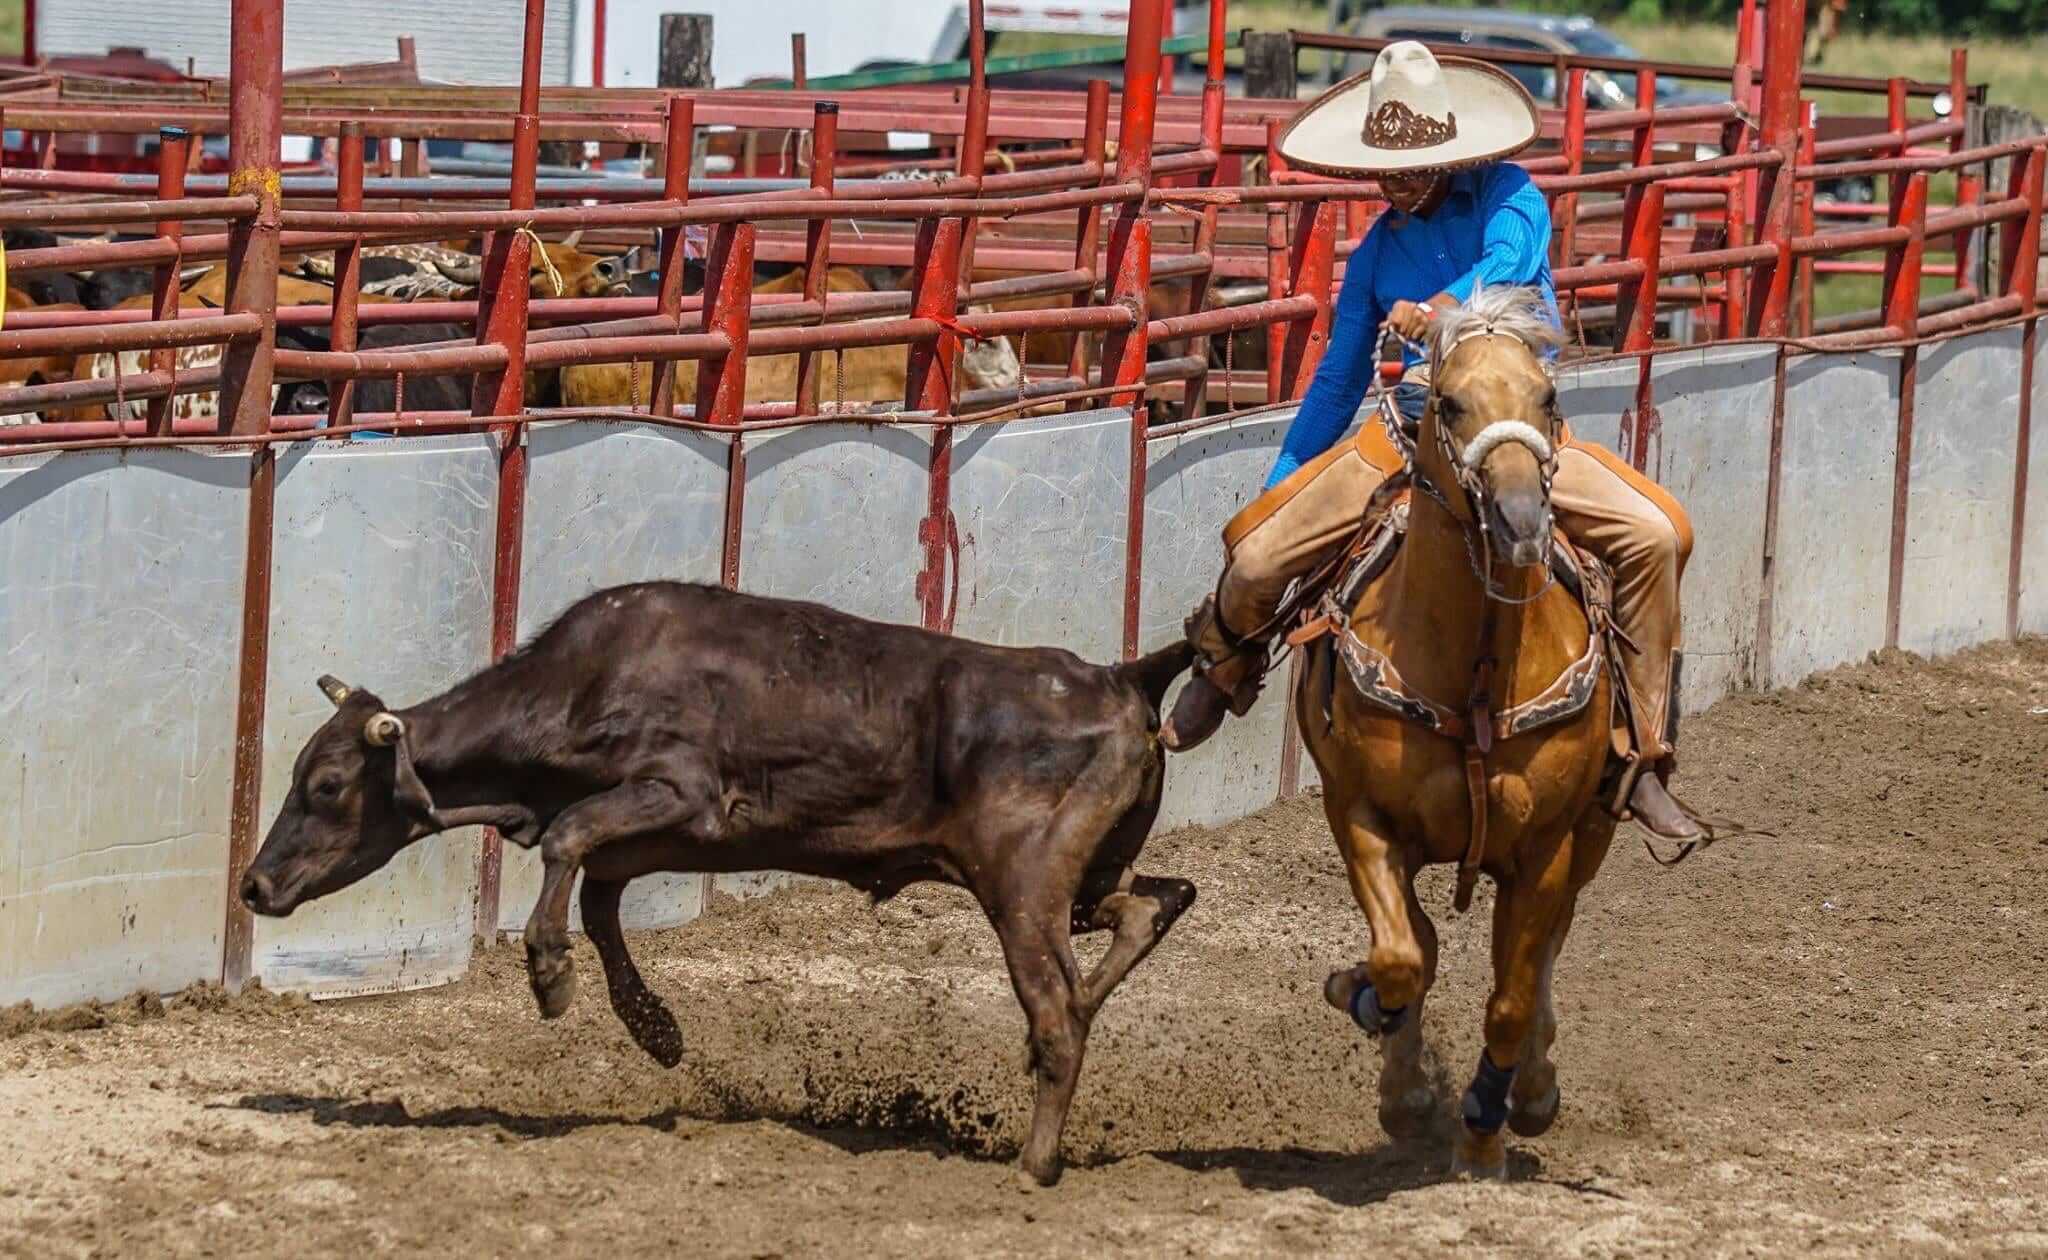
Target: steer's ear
(335,689)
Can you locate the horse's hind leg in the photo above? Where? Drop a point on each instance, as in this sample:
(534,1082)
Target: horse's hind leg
(1384,995)
(1533,1101)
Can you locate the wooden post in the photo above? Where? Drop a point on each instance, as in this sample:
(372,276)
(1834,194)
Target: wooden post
(1269,65)
(685,50)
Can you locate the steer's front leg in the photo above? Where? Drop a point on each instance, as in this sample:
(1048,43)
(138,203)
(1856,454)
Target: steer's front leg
(636,807)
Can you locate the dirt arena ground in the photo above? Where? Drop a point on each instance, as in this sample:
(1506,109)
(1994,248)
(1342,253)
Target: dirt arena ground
(1834,1041)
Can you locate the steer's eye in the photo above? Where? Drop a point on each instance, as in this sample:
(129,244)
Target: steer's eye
(326,791)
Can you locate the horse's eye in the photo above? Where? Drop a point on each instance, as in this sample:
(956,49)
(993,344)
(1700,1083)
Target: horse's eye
(1449,405)
(1550,399)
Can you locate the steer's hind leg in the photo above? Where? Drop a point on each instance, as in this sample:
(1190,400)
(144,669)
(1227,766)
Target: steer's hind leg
(1032,910)
(1140,918)
(643,1014)
(1141,913)
(1041,959)
(634,808)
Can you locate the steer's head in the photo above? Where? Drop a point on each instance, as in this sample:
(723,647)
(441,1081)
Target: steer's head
(1493,423)
(348,811)
(582,275)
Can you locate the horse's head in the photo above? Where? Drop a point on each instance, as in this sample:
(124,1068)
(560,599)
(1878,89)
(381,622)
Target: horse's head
(1492,422)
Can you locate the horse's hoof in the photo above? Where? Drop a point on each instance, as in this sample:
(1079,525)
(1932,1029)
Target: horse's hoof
(1410,1115)
(1479,1157)
(1350,992)
(1533,1117)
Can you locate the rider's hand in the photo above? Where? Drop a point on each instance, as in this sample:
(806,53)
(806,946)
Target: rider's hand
(1410,319)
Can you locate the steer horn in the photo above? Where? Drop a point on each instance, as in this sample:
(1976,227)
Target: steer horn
(335,689)
(468,271)
(383,730)
(569,241)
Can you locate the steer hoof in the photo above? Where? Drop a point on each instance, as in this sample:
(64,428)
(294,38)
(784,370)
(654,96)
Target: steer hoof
(656,1032)
(1039,1171)
(1533,1117)
(554,980)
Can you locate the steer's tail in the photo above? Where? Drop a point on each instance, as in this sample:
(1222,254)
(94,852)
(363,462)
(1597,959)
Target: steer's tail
(1154,672)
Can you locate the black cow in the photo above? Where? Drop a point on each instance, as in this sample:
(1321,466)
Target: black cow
(44,288)
(378,395)
(667,727)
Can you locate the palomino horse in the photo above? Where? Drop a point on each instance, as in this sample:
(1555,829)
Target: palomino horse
(1473,677)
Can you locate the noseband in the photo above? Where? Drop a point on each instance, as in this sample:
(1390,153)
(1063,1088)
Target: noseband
(1465,465)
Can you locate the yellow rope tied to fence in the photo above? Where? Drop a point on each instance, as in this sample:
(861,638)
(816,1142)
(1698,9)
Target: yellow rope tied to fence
(540,247)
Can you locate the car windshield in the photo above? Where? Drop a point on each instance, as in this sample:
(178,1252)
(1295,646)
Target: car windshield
(1595,42)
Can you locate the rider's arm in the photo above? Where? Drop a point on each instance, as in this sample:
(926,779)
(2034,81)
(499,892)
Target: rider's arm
(1516,242)
(1341,380)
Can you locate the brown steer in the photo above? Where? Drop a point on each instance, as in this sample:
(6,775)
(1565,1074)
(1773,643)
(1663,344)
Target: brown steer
(666,727)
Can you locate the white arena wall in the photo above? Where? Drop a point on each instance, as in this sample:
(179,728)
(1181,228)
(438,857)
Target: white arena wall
(122,575)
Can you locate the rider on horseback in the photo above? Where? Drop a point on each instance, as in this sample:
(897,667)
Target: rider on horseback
(1461,218)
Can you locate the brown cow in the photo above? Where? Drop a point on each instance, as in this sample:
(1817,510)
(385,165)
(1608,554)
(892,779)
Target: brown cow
(870,373)
(667,727)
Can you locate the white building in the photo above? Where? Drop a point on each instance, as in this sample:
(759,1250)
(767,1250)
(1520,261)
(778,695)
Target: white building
(478,41)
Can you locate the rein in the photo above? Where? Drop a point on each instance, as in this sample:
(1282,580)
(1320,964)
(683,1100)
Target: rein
(1477,737)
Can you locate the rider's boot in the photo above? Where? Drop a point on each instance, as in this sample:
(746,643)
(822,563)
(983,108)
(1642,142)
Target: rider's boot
(1228,676)
(1649,800)
(1652,804)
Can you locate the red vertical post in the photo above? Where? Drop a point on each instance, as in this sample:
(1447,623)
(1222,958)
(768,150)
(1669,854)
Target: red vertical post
(29,54)
(1635,318)
(1567,212)
(1130,264)
(1784,23)
(2022,259)
(1642,230)
(728,299)
(722,381)
(1197,390)
(1312,262)
(1969,183)
(597,38)
(1276,288)
(255,126)
(1748,52)
(1901,313)
(678,152)
(818,245)
(2019,243)
(972,160)
(173,152)
(799,63)
(255,129)
(1737,137)
(1806,225)
(501,320)
(348,269)
(1088,235)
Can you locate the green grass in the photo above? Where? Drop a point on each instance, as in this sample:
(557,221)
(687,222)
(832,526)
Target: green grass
(10,27)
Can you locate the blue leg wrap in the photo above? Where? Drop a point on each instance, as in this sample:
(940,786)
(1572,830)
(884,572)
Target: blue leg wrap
(1485,1106)
(1368,1014)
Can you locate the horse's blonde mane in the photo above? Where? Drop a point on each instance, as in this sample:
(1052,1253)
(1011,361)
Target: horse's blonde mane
(1511,312)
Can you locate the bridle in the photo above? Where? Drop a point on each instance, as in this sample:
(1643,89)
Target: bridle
(1474,525)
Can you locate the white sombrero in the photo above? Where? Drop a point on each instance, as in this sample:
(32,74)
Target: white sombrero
(1412,112)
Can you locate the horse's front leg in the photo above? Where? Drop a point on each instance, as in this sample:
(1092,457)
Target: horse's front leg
(1384,995)
(1533,1101)
(1529,914)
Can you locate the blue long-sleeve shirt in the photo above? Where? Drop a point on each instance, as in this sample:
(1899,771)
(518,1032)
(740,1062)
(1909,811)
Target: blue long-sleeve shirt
(1492,229)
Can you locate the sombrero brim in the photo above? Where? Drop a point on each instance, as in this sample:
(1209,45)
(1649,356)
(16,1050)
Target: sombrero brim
(1495,118)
